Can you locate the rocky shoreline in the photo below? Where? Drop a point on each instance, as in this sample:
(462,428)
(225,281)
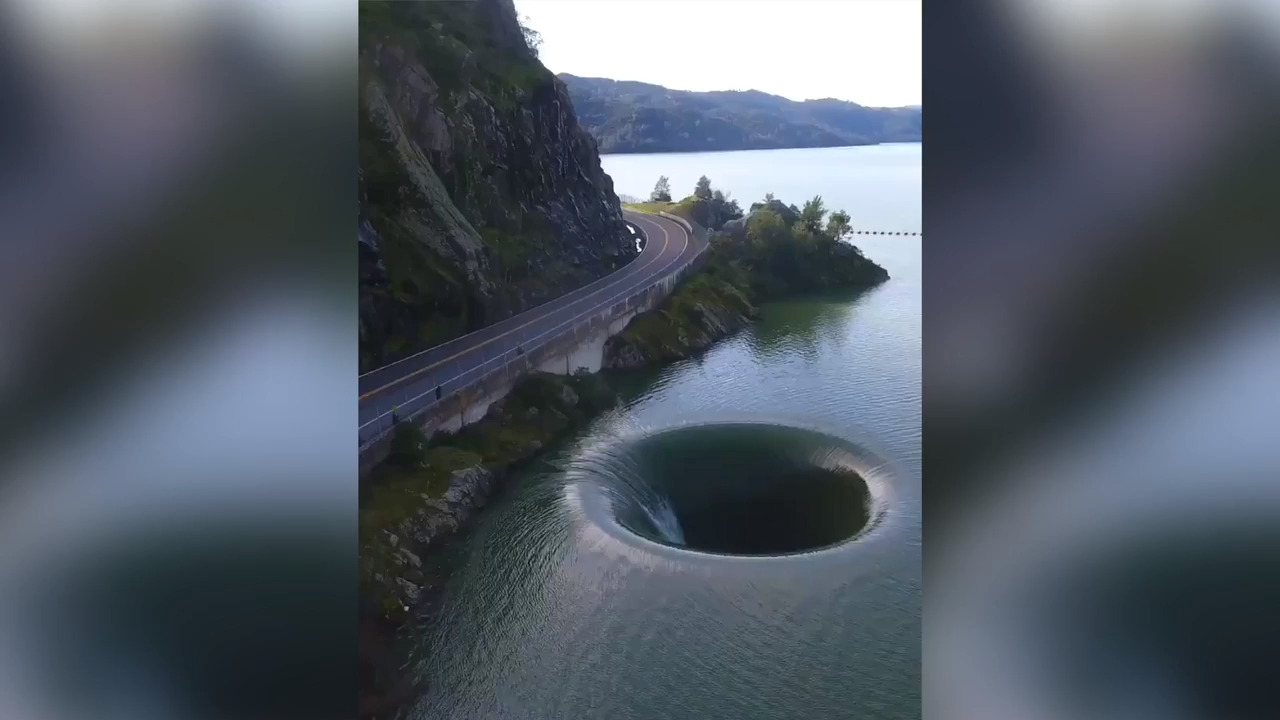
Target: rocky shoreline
(425,495)
(698,314)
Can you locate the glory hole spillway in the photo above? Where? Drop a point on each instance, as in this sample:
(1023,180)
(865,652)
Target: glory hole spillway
(744,489)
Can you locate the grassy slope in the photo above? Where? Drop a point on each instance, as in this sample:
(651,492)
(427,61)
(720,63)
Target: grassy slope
(684,208)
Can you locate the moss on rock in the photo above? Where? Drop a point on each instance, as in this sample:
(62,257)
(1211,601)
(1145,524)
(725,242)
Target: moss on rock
(699,312)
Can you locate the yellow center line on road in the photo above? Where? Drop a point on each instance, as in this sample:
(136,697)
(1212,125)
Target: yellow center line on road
(665,241)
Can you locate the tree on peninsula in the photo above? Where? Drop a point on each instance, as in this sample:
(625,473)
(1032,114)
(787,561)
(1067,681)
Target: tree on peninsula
(661,190)
(838,225)
(812,212)
(702,190)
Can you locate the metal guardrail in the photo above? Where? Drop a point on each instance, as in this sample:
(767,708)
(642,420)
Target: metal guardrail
(412,407)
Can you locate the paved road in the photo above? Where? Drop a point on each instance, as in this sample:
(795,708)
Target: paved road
(411,383)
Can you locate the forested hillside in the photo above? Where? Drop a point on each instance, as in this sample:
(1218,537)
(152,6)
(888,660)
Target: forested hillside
(634,117)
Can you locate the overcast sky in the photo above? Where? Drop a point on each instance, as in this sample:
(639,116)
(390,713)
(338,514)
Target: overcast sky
(866,51)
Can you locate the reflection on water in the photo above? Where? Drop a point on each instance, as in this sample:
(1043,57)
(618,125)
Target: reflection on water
(806,327)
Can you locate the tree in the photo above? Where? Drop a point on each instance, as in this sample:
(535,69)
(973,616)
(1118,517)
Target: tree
(766,228)
(532,38)
(768,198)
(721,209)
(838,225)
(811,214)
(773,245)
(661,190)
(731,208)
(702,190)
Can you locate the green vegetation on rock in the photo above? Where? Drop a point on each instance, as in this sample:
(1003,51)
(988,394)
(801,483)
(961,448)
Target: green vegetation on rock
(652,206)
(699,312)
(774,252)
(541,408)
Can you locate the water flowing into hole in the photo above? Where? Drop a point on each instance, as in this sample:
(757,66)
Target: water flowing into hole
(733,489)
(665,522)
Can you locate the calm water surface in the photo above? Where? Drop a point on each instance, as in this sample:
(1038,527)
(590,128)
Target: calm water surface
(550,616)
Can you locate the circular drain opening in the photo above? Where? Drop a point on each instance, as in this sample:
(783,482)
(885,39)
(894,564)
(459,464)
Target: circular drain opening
(738,489)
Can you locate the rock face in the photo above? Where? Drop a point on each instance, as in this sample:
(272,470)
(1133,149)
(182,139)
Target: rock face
(788,213)
(434,519)
(737,228)
(480,196)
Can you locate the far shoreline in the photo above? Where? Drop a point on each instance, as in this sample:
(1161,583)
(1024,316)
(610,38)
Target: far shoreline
(758,149)
(802,147)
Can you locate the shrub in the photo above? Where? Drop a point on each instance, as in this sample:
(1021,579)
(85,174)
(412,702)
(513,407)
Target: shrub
(408,445)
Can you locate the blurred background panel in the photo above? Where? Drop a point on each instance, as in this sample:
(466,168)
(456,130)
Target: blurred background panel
(177,360)
(1102,355)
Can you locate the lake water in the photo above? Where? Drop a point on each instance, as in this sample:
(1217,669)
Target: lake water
(562,605)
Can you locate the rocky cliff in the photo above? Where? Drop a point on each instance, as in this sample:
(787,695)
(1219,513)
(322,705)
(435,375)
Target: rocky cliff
(480,196)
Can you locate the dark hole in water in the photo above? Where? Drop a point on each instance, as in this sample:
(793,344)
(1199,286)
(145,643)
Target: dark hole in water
(742,490)
(804,510)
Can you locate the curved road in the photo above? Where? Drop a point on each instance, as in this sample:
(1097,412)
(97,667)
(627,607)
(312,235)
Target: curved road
(410,384)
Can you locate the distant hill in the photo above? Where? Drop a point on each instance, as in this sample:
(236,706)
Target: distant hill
(634,117)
